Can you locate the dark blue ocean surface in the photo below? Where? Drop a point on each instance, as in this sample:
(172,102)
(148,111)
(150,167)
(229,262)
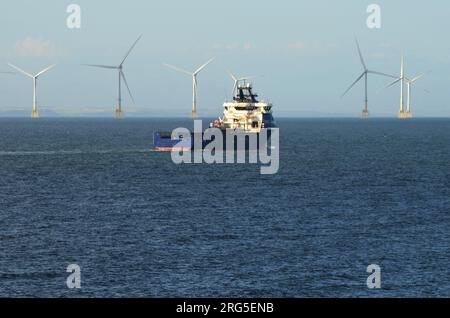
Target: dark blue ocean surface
(349,193)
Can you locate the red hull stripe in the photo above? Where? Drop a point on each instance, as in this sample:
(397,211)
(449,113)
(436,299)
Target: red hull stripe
(173,148)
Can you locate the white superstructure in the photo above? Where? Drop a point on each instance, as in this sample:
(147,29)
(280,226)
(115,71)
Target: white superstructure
(245,112)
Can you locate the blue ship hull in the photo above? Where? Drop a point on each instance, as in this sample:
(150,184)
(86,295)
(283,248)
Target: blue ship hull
(163,141)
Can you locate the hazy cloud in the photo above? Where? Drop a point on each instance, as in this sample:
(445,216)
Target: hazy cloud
(235,46)
(378,56)
(311,47)
(37,48)
(248,46)
(300,46)
(386,45)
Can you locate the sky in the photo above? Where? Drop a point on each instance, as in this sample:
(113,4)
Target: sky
(303,53)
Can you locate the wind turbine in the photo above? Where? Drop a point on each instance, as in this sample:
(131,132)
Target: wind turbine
(194,83)
(401,79)
(409,84)
(119,68)
(402,114)
(237,80)
(364,75)
(34,112)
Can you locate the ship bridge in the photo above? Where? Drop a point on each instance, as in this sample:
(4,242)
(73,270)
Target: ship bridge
(244,94)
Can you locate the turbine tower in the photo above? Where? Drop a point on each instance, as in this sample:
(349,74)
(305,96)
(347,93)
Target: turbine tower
(365,74)
(402,85)
(237,80)
(121,75)
(194,83)
(34,112)
(409,84)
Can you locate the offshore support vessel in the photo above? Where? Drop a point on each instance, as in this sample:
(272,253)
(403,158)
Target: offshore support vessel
(244,114)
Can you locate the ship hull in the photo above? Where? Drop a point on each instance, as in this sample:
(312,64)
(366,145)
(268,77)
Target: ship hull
(163,141)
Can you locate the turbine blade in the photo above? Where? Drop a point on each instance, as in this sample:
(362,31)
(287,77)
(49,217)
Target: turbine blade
(247,78)
(45,70)
(20,70)
(420,76)
(203,66)
(393,83)
(382,74)
(234,88)
(417,78)
(131,49)
(177,69)
(102,66)
(234,78)
(126,84)
(402,68)
(360,55)
(354,83)
(235,82)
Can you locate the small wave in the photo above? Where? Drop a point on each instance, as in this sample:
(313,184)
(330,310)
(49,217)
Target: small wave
(71,152)
(28,275)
